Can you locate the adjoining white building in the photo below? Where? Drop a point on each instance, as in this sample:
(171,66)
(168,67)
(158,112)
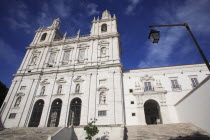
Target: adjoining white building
(64,80)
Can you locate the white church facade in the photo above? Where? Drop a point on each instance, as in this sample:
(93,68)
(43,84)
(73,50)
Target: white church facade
(71,80)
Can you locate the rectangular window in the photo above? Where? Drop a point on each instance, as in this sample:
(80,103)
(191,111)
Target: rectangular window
(81,54)
(102,113)
(174,83)
(194,82)
(22,87)
(147,86)
(132,102)
(131,90)
(66,55)
(52,58)
(133,114)
(12,115)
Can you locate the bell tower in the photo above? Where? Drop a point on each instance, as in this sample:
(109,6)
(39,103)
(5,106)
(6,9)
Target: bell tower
(105,25)
(46,35)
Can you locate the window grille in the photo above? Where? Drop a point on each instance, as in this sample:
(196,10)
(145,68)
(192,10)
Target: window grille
(194,82)
(12,115)
(102,113)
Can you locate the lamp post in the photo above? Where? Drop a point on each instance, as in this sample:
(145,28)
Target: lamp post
(154,36)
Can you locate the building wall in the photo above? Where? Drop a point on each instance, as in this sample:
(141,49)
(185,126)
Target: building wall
(164,94)
(194,107)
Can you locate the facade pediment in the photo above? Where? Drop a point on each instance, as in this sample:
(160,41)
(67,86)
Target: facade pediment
(147,78)
(20,94)
(44,82)
(78,79)
(83,45)
(103,42)
(102,88)
(61,80)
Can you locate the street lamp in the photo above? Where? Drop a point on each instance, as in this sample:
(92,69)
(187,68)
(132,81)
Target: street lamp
(154,36)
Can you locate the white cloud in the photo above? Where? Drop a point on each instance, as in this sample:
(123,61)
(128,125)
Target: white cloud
(92,9)
(131,7)
(194,13)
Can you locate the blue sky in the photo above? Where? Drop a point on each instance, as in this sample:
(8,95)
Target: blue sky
(19,19)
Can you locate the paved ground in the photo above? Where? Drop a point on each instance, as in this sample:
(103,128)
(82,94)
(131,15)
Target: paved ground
(181,131)
(30,133)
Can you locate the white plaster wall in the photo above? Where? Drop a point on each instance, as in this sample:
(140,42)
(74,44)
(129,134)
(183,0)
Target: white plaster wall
(194,108)
(167,100)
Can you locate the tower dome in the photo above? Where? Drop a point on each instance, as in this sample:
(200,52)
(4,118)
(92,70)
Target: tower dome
(106,15)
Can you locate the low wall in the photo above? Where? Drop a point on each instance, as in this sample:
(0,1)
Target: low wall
(62,134)
(195,106)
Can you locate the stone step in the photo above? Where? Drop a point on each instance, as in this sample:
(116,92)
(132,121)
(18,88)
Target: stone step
(166,131)
(27,133)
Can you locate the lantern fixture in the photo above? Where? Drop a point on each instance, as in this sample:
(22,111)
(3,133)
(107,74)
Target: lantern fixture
(154,36)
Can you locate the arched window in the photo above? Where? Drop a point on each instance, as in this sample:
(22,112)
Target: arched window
(59,89)
(55,113)
(103,51)
(104,28)
(77,89)
(36,114)
(42,90)
(102,98)
(17,103)
(43,37)
(33,60)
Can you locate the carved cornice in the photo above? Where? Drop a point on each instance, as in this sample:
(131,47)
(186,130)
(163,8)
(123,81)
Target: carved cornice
(73,40)
(68,47)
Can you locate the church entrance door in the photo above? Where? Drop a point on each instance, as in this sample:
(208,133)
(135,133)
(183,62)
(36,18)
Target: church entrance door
(152,112)
(36,114)
(75,112)
(55,112)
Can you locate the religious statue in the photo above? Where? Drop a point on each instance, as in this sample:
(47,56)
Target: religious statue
(102,98)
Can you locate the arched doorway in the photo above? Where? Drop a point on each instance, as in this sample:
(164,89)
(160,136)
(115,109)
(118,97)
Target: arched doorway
(55,112)
(152,112)
(36,114)
(75,112)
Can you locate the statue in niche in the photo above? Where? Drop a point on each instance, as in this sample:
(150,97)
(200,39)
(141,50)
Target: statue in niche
(42,90)
(17,103)
(53,119)
(59,89)
(33,61)
(77,89)
(102,99)
(103,51)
